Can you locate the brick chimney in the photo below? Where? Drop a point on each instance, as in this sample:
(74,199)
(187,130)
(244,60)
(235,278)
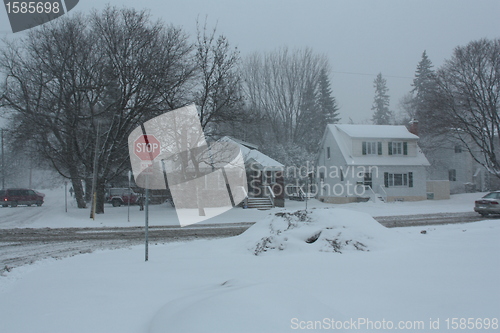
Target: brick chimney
(413,126)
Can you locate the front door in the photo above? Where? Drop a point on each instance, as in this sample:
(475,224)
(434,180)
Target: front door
(254,179)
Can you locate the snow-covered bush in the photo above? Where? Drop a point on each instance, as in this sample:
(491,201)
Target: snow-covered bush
(323,230)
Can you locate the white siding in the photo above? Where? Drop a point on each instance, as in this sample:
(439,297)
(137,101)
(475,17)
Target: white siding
(351,184)
(419,181)
(329,166)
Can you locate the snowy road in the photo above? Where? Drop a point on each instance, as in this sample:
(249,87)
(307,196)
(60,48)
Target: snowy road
(430,219)
(22,246)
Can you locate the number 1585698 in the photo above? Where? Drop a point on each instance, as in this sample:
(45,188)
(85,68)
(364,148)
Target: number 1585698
(472,323)
(32,7)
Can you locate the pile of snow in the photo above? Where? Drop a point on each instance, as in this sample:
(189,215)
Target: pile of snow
(323,230)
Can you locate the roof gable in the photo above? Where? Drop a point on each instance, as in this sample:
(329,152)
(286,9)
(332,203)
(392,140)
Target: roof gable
(375,131)
(255,156)
(344,135)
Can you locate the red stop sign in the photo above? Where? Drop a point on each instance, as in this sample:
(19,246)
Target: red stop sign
(147,147)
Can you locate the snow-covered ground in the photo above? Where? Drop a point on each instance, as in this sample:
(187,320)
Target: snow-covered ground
(289,272)
(52,214)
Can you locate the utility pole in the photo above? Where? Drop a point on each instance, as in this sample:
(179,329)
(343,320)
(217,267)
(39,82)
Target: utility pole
(94,179)
(3,164)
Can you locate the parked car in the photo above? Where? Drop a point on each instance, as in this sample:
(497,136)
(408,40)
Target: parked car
(123,196)
(489,204)
(40,193)
(20,196)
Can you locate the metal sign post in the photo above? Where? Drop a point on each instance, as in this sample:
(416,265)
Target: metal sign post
(309,174)
(147,148)
(129,195)
(307,194)
(146,222)
(66,196)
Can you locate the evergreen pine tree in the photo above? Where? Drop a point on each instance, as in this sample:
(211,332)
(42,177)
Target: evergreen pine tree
(382,115)
(310,120)
(326,102)
(423,88)
(424,78)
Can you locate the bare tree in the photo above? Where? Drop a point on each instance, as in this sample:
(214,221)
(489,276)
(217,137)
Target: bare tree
(406,109)
(467,99)
(148,67)
(46,76)
(282,87)
(69,77)
(218,93)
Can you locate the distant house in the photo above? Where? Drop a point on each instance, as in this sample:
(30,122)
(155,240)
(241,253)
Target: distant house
(358,162)
(264,176)
(451,160)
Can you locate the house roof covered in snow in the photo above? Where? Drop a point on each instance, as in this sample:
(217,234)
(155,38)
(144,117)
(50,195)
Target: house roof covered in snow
(376,131)
(243,143)
(343,135)
(255,156)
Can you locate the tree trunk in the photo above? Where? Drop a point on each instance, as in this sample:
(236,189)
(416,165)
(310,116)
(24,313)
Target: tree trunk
(100,197)
(88,190)
(78,188)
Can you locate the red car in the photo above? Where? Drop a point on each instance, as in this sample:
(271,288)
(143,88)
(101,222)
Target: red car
(122,196)
(20,196)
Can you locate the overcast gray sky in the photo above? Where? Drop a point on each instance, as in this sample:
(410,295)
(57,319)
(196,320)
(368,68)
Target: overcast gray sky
(360,38)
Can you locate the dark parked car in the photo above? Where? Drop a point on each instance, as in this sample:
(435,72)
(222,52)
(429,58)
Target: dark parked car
(122,196)
(489,204)
(20,196)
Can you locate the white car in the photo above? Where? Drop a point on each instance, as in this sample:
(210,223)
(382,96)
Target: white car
(489,204)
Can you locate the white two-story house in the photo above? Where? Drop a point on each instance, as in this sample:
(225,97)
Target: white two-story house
(357,162)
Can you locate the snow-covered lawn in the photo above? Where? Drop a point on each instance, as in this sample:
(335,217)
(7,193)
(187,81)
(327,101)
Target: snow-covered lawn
(286,273)
(52,214)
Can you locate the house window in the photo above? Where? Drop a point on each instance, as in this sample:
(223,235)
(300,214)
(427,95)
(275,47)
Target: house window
(452,175)
(372,148)
(367,181)
(328,152)
(269,177)
(458,149)
(398,148)
(398,179)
